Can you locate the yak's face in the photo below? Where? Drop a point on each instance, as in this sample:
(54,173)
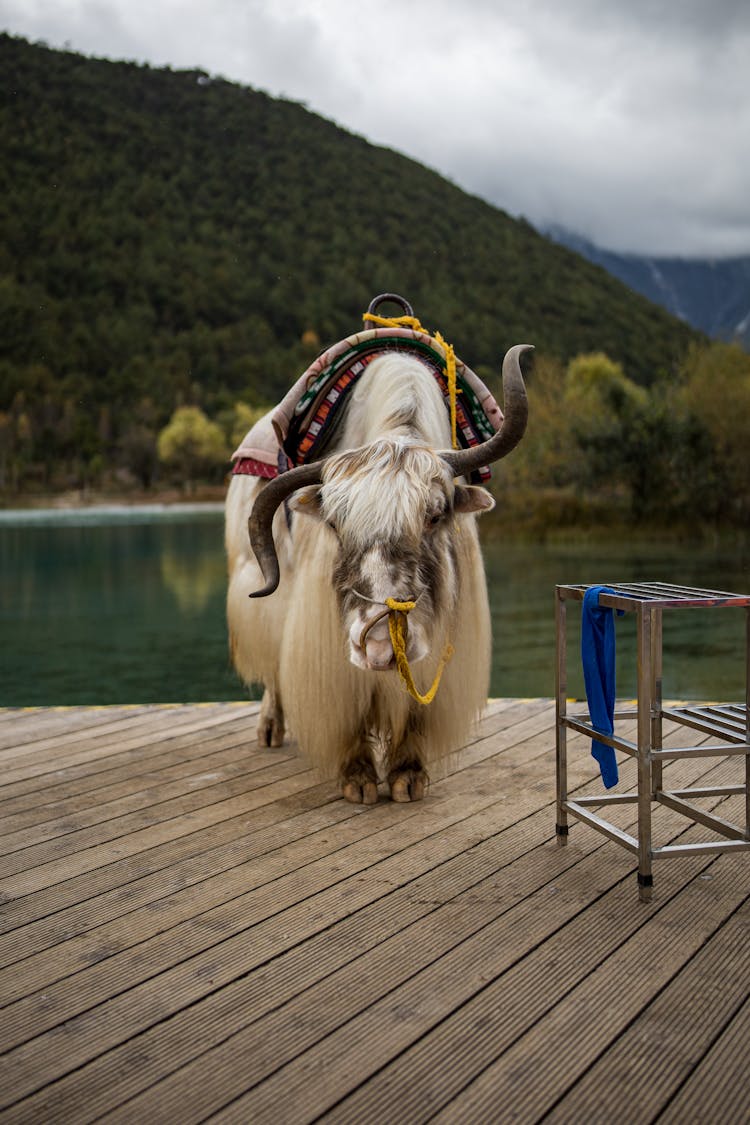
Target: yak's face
(392,506)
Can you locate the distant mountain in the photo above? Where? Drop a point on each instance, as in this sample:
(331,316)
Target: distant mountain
(710,294)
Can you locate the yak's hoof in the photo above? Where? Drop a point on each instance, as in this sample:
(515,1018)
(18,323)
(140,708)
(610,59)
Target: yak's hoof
(270,732)
(408,784)
(359,783)
(360,792)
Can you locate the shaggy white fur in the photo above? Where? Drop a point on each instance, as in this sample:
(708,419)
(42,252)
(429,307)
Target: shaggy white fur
(295,641)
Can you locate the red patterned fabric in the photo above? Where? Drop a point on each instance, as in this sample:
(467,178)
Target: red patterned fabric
(249,467)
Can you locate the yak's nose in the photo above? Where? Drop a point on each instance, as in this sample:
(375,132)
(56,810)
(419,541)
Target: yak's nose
(376,653)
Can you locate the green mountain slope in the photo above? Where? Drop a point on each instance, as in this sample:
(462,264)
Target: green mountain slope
(169,238)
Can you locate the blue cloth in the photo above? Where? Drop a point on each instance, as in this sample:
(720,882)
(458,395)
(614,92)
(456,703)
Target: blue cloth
(598,656)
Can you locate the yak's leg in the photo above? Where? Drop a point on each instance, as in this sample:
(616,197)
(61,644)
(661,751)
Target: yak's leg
(271,719)
(407,776)
(359,774)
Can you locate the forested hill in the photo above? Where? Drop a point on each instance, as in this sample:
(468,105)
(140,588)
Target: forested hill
(172,238)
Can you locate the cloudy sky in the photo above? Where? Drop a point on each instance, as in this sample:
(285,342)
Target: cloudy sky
(627,121)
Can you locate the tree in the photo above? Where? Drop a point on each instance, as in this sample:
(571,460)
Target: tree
(191,444)
(609,417)
(716,394)
(545,458)
(243,418)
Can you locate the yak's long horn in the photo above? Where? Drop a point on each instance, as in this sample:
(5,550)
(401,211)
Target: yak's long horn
(260,523)
(516,411)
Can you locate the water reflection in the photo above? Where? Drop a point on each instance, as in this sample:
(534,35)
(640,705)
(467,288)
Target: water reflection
(703,649)
(194,582)
(129,607)
(128,611)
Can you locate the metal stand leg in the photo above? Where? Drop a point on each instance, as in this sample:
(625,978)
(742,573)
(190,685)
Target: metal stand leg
(561,690)
(656,699)
(747,722)
(645,876)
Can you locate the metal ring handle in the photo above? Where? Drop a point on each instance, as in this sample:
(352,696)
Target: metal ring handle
(383,297)
(371,625)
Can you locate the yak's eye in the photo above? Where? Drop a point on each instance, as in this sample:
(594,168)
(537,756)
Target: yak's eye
(434,519)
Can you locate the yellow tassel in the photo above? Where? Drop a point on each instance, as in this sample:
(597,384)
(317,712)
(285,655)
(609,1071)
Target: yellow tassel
(450,374)
(397,627)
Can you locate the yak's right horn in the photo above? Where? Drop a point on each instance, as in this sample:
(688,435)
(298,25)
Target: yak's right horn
(260,523)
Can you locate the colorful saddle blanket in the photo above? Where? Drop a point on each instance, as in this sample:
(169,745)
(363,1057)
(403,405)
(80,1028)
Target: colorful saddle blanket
(300,428)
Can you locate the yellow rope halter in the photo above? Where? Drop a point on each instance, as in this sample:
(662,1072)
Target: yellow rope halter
(398,627)
(450,356)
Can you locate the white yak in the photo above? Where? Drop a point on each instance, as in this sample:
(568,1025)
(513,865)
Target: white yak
(384,515)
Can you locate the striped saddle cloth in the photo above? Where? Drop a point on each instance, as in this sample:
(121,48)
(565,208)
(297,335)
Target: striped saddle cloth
(301,427)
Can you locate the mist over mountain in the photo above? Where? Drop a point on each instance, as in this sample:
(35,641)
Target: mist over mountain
(712,295)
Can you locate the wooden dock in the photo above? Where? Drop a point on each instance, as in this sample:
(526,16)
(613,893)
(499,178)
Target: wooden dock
(194,929)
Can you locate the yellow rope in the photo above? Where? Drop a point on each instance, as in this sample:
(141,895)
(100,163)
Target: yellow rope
(397,627)
(450,374)
(394,321)
(450,356)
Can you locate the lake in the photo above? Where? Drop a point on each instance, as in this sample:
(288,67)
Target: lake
(126,605)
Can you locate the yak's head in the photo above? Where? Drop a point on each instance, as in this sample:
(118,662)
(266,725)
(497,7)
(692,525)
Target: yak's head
(393,505)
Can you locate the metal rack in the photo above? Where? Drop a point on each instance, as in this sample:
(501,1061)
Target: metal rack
(729,723)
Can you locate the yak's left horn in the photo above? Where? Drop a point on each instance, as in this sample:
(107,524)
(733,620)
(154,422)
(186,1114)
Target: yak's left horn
(516,411)
(260,523)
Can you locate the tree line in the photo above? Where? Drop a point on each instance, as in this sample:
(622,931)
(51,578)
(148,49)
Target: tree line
(599,446)
(602,449)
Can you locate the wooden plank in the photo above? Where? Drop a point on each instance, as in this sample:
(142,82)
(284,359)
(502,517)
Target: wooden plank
(214,858)
(658,1053)
(87,849)
(601,1005)
(24,726)
(218,961)
(421,898)
(226,750)
(445,1026)
(79,782)
(76,841)
(155,891)
(717,1089)
(118,873)
(194,782)
(276,782)
(95,771)
(388,833)
(138,1061)
(81,730)
(318,909)
(161,856)
(217,898)
(373,976)
(138,734)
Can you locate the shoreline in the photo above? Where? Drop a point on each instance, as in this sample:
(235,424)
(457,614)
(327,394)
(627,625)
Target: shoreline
(514,520)
(93,507)
(81,499)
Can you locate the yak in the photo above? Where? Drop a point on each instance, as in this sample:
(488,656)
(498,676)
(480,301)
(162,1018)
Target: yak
(324,559)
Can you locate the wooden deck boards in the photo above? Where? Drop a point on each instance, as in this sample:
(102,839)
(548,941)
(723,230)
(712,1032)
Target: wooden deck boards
(192,928)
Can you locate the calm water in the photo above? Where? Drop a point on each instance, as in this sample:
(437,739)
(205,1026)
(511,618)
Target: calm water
(127,606)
